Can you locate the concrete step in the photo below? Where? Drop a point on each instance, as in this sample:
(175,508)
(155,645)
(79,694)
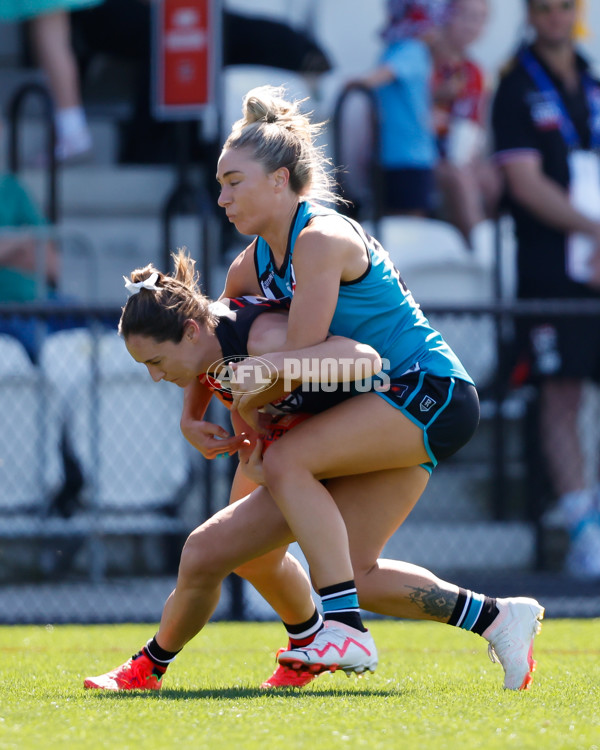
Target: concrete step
(91,191)
(33,142)
(97,253)
(10,44)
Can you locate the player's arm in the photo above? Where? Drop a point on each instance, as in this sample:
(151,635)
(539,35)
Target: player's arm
(322,257)
(210,439)
(341,360)
(266,378)
(335,360)
(241,276)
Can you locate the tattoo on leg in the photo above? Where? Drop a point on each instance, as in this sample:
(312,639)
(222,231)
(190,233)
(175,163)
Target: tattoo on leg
(433,601)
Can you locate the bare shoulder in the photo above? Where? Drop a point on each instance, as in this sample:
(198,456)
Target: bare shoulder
(267,333)
(333,231)
(241,276)
(331,241)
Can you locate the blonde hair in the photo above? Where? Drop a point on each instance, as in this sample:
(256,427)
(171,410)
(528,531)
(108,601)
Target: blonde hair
(278,135)
(161,314)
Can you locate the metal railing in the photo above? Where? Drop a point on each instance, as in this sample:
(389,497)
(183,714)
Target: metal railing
(372,208)
(16,107)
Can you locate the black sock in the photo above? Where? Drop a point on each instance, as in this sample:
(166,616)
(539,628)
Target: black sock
(474,612)
(488,614)
(340,603)
(158,655)
(303,633)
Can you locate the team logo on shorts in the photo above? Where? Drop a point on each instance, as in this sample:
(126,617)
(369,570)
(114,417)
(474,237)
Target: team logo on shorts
(427,403)
(399,389)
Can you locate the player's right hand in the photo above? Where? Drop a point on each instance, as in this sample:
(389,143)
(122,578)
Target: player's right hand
(210,439)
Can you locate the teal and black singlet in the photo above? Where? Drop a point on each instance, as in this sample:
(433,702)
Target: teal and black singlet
(376,309)
(422,377)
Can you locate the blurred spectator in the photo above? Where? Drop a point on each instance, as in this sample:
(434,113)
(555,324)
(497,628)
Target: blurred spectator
(29,264)
(122,28)
(19,259)
(468,183)
(49,25)
(546,120)
(401,82)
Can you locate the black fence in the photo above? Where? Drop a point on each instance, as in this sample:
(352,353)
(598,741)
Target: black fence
(98,489)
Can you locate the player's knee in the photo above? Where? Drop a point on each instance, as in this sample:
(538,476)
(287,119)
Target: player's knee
(278,465)
(203,556)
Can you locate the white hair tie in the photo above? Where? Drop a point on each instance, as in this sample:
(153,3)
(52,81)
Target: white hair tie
(133,287)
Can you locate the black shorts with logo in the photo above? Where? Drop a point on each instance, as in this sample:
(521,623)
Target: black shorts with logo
(446,409)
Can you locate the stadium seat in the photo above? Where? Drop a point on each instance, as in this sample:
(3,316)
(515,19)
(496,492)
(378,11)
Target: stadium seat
(30,466)
(439,269)
(123,427)
(413,242)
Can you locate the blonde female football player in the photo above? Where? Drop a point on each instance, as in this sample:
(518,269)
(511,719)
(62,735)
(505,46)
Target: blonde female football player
(370,505)
(340,280)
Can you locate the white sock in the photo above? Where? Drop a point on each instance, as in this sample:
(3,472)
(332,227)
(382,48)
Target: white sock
(70,122)
(577,507)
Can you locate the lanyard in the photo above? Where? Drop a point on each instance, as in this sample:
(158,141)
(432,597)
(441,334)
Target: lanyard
(545,85)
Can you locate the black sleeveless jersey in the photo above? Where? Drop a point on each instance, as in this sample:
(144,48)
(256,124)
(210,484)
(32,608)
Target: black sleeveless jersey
(235,318)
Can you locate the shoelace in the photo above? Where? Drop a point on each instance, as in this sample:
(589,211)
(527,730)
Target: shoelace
(118,670)
(493,655)
(503,640)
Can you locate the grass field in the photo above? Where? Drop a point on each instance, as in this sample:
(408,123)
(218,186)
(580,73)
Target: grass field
(435,688)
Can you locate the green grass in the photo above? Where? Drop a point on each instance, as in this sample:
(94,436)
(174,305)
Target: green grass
(435,688)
